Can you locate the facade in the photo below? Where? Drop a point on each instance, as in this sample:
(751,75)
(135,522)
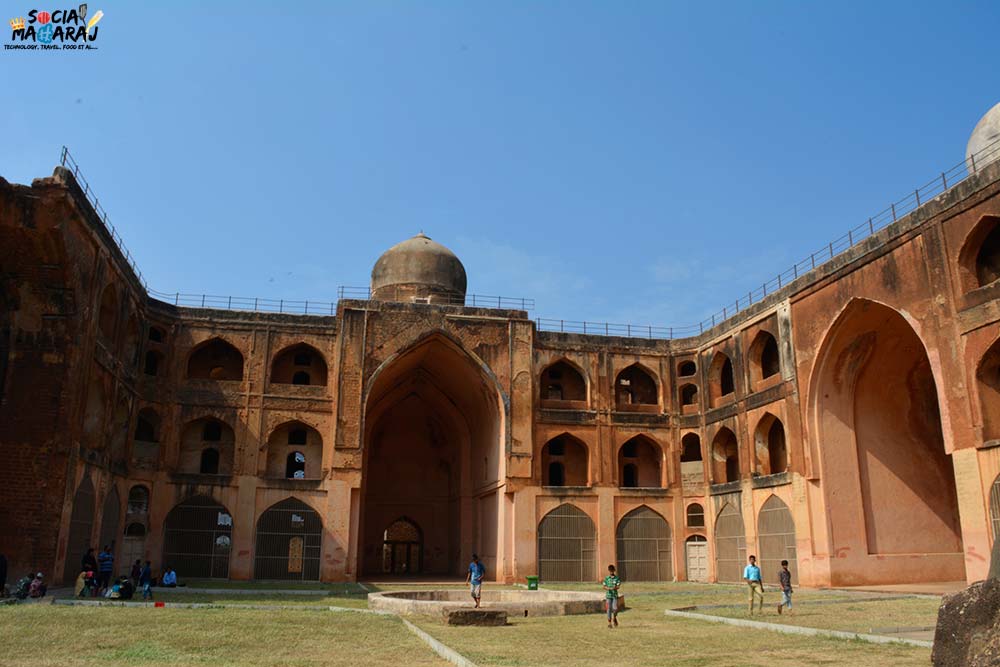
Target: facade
(849,422)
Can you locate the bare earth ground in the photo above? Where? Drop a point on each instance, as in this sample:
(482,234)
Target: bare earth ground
(42,635)
(75,636)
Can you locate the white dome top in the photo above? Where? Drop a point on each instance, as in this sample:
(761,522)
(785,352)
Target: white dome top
(985,140)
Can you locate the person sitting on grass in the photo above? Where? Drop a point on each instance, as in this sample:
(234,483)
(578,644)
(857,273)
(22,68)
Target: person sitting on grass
(751,575)
(611,585)
(785,577)
(37,588)
(169,579)
(475,578)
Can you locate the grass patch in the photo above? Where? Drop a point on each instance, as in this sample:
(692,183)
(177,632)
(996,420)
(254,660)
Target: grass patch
(849,616)
(58,636)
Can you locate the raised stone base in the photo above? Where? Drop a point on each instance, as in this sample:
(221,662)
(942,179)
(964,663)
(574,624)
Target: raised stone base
(968,627)
(481,617)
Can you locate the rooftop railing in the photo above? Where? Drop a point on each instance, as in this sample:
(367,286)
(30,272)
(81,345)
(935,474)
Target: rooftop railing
(937,186)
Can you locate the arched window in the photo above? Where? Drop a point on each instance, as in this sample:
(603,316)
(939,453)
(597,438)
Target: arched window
(138,500)
(696,554)
(571,456)
(200,435)
(209,461)
(725,457)
(686,369)
(567,546)
(299,364)
(289,541)
(635,386)
(695,516)
(988,384)
(153,361)
(294,451)
(765,360)
(295,465)
(197,539)
(692,468)
(639,463)
(562,382)
(979,259)
(689,394)
(643,546)
(215,360)
(721,380)
(691,444)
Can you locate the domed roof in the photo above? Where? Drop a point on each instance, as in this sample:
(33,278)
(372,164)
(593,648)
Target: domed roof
(418,267)
(985,137)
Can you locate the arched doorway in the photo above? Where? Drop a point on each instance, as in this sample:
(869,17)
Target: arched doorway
(402,548)
(878,429)
(133,546)
(288,542)
(644,552)
(109,520)
(433,450)
(776,535)
(197,539)
(696,556)
(567,546)
(81,526)
(730,544)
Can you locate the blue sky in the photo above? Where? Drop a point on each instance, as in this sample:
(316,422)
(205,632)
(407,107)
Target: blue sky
(638,162)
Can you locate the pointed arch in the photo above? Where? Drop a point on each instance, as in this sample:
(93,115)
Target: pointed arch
(290,438)
(692,464)
(107,316)
(721,379)
(565,461)
(288,542)
(403,547)
(730,544)
(204,435)
(110,518)
(567,545)
(639,461)
(300,364)
(988,386)
(215,359)
(81,528)
(725,457)
(979,258)
(636,385)
(643,541)
(765,358)
(770,446)
(197,538)
(776,536)
(563,380)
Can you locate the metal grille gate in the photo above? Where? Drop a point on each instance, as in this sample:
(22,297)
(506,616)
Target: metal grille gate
(197,539)
(643,540)
(289,538)
(81,525)
(567,546)
(730,544)
(776,533)
(995,507)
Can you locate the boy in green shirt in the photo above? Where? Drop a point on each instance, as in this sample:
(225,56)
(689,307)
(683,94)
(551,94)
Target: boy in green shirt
(611,584)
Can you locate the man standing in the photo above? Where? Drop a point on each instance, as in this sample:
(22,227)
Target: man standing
(611,585)
(475,578)
(146,581)
(785,577)
(105,566)
(751,575)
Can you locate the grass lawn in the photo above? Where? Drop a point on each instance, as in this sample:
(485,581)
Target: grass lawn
(853,616)
(42,635)
(647,637)
(355,600)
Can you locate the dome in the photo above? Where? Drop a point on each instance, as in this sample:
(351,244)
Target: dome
(419,269)
(985,140)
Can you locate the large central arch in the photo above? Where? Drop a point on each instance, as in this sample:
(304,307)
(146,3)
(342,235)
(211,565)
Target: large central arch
(889,484)
(433,453)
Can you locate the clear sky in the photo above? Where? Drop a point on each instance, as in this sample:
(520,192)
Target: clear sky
(636,162)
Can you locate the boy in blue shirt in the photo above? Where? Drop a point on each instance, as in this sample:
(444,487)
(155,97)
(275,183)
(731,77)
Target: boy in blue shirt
(475,578)
(751,575)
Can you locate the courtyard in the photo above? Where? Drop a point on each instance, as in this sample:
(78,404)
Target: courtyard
(325,625)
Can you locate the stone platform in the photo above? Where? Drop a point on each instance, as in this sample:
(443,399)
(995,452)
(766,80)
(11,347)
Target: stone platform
(513,602)
(480,617)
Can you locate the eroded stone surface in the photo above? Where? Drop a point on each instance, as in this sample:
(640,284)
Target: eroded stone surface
(968,627)
(480,617)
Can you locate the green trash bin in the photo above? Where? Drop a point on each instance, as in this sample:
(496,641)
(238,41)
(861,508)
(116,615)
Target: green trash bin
(532,582)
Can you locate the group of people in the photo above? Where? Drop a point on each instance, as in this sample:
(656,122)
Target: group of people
(612,584)
(95,578)
(755,584)
(27,586)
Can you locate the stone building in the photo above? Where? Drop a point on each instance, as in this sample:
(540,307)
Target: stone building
(848,421)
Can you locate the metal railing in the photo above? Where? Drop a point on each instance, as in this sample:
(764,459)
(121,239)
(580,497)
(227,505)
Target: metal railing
(937,186)
(470,300)
(67,161)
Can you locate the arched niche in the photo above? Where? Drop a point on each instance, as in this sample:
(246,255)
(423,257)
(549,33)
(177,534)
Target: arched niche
(215,359)
(299,364)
